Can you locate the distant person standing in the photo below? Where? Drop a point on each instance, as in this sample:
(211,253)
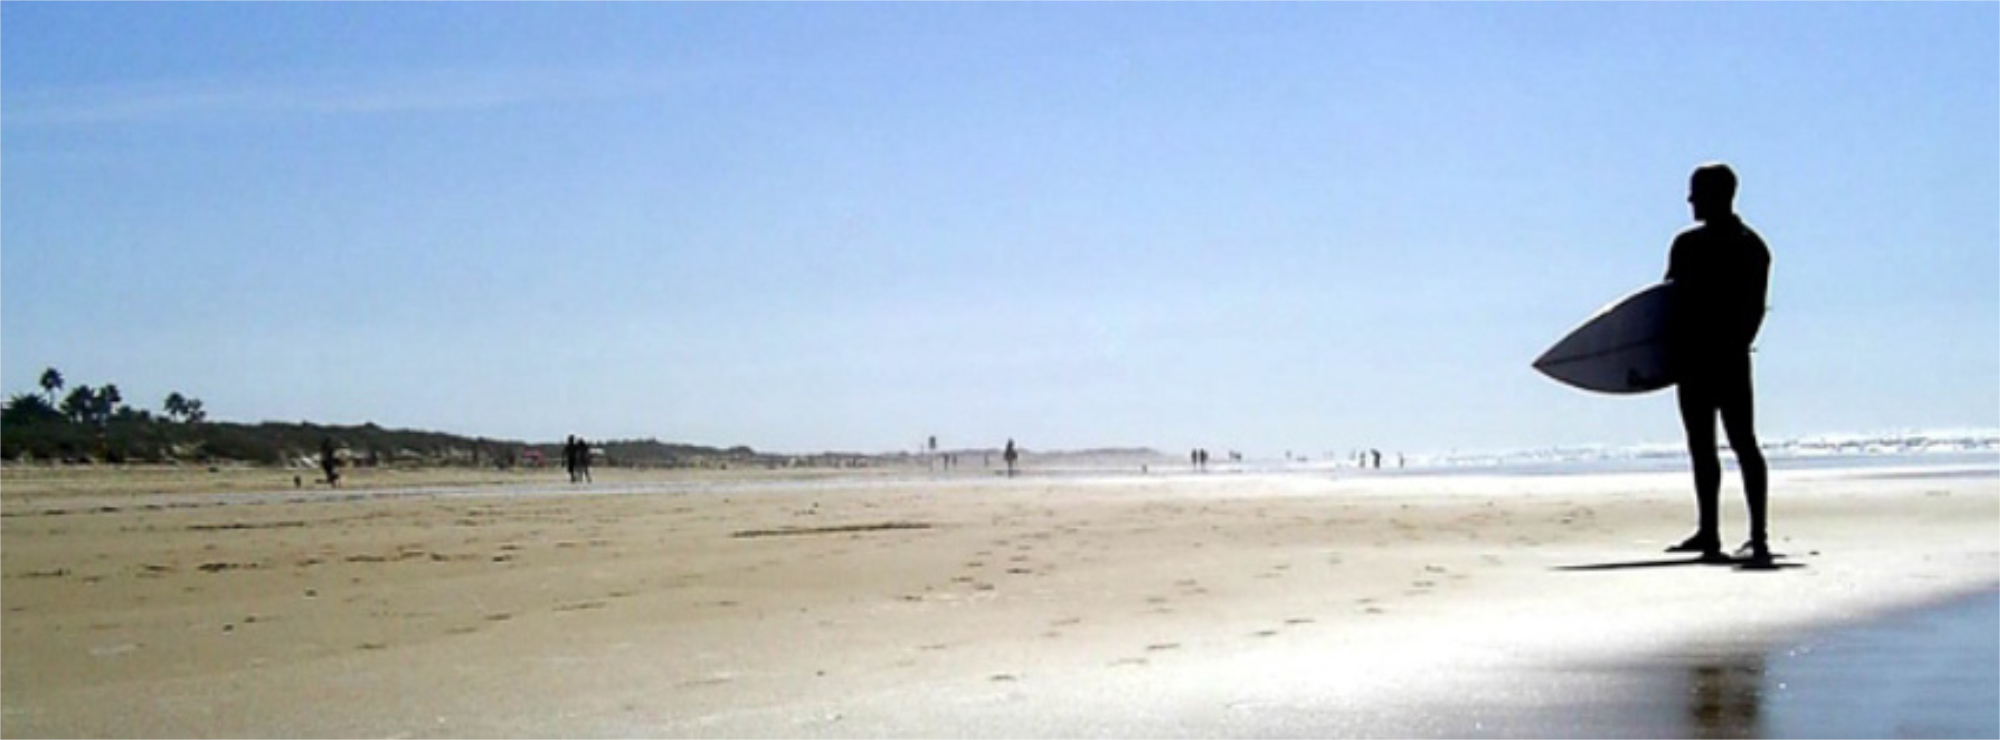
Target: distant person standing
(1721,273)
(1011,456)
(569,457)
(583,459)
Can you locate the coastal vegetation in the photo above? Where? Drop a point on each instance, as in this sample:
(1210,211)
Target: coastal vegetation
(96,425)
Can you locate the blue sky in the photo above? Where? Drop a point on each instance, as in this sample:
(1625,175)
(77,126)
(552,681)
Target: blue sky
(798,227)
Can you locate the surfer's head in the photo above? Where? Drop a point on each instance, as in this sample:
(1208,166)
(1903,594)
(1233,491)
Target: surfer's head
(1712,191)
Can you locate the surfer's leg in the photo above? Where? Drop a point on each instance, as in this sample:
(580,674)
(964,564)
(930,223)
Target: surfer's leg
(1739,422)
(1697,406)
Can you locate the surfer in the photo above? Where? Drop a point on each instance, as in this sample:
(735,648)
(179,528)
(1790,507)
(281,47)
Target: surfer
(1721,272)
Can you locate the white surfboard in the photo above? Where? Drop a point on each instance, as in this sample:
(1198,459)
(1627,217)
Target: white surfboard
(1620,349)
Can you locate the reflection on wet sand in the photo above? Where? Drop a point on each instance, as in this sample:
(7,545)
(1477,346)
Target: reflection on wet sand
(1725,697)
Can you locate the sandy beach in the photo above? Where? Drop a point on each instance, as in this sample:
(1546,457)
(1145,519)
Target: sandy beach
(917,603)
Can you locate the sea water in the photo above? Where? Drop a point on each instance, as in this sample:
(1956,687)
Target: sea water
(1933,671)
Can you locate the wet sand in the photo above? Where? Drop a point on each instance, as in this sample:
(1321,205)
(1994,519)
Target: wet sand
(920,604)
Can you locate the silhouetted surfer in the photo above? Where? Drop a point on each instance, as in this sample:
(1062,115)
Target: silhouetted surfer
(1721,273)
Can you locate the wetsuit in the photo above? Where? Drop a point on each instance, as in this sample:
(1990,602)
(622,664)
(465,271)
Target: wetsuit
(1721,273)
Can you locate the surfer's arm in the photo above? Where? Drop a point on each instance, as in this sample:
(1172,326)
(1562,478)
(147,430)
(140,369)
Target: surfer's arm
(1674,258)
(1757,295)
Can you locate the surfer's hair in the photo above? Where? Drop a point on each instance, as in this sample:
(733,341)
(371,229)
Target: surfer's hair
(1713,181)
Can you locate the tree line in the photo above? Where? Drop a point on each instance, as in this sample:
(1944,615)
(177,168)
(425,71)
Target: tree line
(93,424)
(95,406)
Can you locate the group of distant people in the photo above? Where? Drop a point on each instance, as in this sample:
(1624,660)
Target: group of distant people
(1363,459)
(576,459)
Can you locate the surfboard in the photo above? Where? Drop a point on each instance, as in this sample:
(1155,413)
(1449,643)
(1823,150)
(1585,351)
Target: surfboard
(1620,349)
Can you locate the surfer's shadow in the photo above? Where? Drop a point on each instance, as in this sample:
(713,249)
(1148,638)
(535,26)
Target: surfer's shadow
(1741,566)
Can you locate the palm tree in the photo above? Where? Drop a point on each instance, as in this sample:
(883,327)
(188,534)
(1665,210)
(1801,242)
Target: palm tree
(184,409)
(80,403)
(52,383)
(107,403)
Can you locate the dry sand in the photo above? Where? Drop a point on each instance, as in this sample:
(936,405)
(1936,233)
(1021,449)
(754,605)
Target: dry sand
(912,604)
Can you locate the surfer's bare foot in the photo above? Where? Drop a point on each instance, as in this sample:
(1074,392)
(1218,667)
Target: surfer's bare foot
(1701,543)
(1754,552)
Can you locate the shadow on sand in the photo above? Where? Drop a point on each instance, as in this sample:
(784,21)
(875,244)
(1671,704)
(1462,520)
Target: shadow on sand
(1741,565)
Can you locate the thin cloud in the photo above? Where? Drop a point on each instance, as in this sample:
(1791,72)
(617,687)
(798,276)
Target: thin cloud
(224,100)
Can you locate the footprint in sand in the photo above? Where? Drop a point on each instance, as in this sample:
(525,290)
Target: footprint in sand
(1162,646)
(105,651)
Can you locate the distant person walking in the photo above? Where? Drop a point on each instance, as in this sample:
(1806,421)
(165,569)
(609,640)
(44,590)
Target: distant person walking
(569,457)
(1721,273)
(1011,456)
(329,463)
(583,459)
